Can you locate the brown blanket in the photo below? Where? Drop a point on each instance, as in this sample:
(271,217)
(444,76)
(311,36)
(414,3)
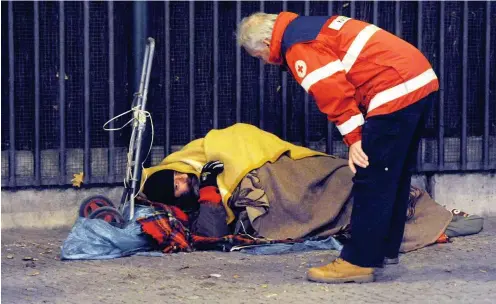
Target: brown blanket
(311,196)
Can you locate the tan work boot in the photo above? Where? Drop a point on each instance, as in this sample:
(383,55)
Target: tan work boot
(341,271)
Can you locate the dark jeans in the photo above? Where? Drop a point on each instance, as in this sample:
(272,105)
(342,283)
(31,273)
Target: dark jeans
(381,190)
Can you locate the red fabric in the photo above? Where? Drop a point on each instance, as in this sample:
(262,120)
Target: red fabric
(443,239)
(210,194)
(385,61)
(167,226)
(170,231)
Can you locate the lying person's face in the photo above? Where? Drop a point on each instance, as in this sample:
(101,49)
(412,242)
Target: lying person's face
(186,191)
(182,184)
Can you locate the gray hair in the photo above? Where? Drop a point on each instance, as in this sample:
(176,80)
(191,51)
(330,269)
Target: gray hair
(254,29)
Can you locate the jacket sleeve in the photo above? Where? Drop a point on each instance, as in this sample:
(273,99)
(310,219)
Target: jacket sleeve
(320,72)
(211,220)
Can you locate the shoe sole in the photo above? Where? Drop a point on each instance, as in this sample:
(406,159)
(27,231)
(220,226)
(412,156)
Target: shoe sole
(355,279)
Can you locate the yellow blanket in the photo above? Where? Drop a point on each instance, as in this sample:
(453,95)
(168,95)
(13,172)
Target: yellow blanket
(241,148)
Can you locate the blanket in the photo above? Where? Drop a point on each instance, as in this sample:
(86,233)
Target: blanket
(311,197)
(295,192)
(241,147)
(167,228)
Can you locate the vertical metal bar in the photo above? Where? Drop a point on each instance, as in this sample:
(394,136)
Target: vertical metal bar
(191,70)
(375,12)
(307,97)
(111,154)
(419,46)
(487,85)
(216,65)
(419,25)
(37,148)
(87,125)
(12,154)
(330,125)
(238,67)
(261,83)
(140,28)
(352,9)
(167,142)
(397,13)
(463,142)
(440,138)
(284,88)
(62,150)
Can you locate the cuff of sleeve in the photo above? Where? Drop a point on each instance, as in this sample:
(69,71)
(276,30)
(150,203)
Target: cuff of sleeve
(210,194)
(353,136)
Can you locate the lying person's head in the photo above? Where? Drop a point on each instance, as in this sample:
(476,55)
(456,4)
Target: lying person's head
(173,188)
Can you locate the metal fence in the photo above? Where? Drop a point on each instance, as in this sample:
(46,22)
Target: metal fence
(72,66)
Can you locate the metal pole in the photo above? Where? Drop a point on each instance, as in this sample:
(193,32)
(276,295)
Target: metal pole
(261,83)
(111,161)
(12,152)
(140,28)
(419,46)
(284,88)
(62,149)
(238,67)
(397,14)
(487,85)
(87,125)
(463,142)
(167,142)
(191,70)
(440,138)
(307,97)
(143,93)
(37,147)
(216,66)
(330,125)
(375,12)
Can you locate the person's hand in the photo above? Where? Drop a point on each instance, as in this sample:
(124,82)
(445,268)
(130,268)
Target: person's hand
(357,156)
(209,173)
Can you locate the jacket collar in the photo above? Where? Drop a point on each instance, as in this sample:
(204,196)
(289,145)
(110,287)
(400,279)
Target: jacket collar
(282,22)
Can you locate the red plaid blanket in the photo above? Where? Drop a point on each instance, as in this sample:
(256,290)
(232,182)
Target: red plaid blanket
(168,227)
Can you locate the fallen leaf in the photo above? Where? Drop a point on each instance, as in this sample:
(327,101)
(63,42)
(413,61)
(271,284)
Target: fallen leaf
(271,295)
(236,276)
(34,273)
(78,179)
(264,286)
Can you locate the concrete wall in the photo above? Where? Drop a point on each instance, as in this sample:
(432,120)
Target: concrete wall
(473,193)
(50,208)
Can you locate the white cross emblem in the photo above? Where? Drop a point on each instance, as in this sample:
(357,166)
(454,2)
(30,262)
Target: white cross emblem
(301,68)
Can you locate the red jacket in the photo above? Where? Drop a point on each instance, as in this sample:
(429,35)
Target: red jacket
(351,68)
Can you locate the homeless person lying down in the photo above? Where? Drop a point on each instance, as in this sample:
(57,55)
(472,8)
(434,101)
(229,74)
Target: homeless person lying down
(242,186)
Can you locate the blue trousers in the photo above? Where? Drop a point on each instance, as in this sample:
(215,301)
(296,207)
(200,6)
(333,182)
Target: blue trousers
(381,190)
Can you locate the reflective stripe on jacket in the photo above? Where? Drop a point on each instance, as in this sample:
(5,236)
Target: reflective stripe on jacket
(352,68)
